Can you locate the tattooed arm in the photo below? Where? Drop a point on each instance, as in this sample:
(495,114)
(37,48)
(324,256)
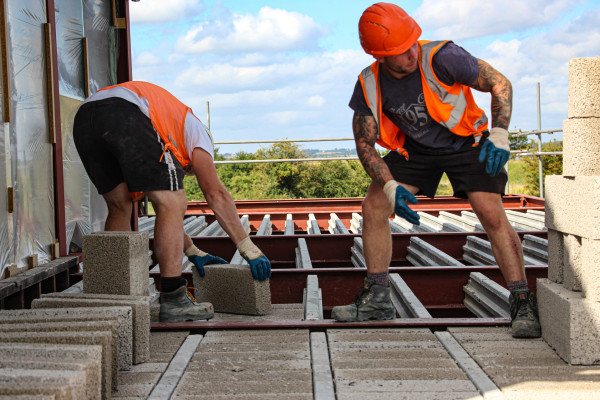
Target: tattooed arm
(365,136)
(492,81)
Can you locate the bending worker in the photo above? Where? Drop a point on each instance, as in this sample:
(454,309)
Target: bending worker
(416,101)
(137,137)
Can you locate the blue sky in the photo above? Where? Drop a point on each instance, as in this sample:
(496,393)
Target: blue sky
(286,69)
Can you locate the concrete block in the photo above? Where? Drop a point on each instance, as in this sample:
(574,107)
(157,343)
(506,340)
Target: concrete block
(85,326)
(231,289)
(570,323)
(584,87)
(64,385)
(555,256)
(116,263)
(140,306)
(581,263)
(580,144)
(121,315)
(573,205)
(62,357)
(95,338)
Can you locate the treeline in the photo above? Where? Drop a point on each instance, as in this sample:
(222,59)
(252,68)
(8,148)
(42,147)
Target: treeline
(324,179)
(285,180)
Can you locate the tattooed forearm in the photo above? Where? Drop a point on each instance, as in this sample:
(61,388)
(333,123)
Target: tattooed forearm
(492,81)
(365,135)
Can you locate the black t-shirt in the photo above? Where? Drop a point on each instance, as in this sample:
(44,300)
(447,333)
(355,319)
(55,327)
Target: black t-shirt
(404,102)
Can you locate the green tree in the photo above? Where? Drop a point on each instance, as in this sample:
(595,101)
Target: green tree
(283,176)
(519,143)
(551,165)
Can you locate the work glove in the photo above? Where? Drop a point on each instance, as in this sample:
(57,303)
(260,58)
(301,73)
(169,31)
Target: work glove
(259,264)
(398,196)
(497,150)
(200,259)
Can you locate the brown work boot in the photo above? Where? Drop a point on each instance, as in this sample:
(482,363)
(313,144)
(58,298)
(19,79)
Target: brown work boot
(524,314)
(372,302)
(179,306)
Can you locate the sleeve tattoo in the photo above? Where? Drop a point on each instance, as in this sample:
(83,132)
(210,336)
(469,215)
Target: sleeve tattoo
(492,81)
(365,135)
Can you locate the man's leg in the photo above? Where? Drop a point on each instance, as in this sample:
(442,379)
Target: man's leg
(119,206)
(373,300)
(508,252)
(176,305)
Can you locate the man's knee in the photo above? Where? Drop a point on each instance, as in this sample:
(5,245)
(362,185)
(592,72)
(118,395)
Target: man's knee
(376,206)
(175,201)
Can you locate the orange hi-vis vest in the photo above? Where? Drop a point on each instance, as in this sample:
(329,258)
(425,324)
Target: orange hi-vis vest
(167,114)
(451,106)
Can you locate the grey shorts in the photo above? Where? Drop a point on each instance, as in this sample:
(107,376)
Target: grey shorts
(465,172)
(118,143)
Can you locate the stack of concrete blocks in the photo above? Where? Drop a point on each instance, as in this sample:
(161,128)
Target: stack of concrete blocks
(569,300)
(71,345)
(232,289)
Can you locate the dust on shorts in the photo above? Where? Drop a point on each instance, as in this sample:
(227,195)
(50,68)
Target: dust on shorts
(465,172)
(118,143)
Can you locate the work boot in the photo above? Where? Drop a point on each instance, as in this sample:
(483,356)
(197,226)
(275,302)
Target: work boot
(179,306)
(372,302)
(524,314)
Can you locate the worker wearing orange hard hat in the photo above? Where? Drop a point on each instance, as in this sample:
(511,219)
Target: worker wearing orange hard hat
(136,137)
(415,100)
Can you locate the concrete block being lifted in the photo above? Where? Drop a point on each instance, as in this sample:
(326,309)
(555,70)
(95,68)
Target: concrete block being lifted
(140,306)
(584,88)
(573,205)
(102,338)
(57,357)
(64,385)
(580,144)
(116,263)
(232,289)
(122,316)
(570,323)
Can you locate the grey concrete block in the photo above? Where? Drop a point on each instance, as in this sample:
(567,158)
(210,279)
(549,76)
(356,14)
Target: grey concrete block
(121,315)
(580,144)
(231,289)
(85,326)
(570,323)
(58,357)
(116,263)
(564,214)
(64,385)
(102,338)
(555,255)
(140,306)
(584,88)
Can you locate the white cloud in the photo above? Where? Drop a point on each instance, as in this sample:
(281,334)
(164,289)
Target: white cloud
(159,11)
(315,101)
(147,58)
(462,19)
(271,30)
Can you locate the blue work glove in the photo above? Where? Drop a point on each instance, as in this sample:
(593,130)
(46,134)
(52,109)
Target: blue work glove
(495,150)
(200,259)
(260,266)
(398,196)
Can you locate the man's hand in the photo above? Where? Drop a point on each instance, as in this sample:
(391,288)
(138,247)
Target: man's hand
(200,259)
(259,264)
(398,196)
(497,150)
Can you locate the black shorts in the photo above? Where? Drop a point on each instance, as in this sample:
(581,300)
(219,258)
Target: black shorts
(118,143)
(466,173)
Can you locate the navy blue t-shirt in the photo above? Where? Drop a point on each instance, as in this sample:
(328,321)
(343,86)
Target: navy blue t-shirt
(404,102)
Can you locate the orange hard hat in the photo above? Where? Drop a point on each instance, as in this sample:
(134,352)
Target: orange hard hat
(387,30)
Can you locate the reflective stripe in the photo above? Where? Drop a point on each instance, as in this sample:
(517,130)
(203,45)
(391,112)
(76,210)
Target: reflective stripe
(370,86)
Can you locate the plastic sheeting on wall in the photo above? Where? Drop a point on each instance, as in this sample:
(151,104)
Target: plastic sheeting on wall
(30,153)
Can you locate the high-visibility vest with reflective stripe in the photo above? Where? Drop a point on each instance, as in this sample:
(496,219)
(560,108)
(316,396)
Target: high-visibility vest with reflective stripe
(451,106)
(167,114)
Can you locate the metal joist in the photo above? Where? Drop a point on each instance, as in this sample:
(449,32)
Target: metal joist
(406,303)
(485,298)
(302,255)
(421,253)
